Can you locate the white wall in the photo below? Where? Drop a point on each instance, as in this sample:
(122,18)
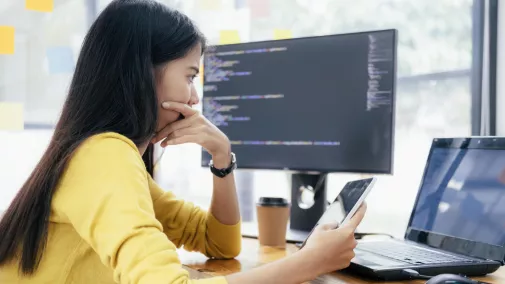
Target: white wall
(20,153)
(500,108)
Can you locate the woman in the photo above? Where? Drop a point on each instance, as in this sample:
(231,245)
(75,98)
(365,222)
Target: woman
(91,213)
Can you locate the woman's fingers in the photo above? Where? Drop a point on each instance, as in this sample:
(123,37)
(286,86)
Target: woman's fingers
(188,131)
(182,140)
(183,109)
(328,226)
(358,217)
(167,130)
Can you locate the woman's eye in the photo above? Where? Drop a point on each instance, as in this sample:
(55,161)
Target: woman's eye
(192,78)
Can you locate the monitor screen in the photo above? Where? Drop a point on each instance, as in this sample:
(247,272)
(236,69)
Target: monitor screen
(318,104)
(462,195)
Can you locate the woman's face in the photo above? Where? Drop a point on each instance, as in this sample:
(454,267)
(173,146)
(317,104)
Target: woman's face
(175,83)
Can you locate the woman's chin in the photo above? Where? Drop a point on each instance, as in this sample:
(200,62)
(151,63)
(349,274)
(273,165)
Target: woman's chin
(166,121)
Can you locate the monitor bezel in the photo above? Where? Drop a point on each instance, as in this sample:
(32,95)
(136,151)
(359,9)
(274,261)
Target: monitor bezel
(451,243)
(388,171)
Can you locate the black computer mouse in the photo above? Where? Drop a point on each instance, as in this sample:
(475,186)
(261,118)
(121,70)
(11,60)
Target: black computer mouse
(451,279)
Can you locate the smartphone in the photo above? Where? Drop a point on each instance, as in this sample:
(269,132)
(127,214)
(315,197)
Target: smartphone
(347,202)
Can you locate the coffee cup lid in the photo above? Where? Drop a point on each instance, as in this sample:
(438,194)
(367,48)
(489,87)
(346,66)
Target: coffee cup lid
(273,202)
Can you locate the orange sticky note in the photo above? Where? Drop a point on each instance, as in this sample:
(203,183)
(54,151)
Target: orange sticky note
(11,116)
(40,5)
(282,34)
(6,40)
(229,37)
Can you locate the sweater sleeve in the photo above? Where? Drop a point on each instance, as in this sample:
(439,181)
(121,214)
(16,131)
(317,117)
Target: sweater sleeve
(197,230)
(104,194)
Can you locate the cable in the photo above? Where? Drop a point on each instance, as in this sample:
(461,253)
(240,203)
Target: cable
(415,274)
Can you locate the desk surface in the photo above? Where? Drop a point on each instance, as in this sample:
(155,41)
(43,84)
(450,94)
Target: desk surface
(254,255)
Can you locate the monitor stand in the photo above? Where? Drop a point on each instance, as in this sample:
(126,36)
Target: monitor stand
(308,203)
(308,200)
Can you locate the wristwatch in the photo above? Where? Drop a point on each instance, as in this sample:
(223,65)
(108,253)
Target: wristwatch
(226,171)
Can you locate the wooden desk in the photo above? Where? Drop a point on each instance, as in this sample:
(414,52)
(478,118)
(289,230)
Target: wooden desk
(254,255)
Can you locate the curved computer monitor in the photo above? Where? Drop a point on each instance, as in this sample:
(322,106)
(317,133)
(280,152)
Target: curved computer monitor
(322,104)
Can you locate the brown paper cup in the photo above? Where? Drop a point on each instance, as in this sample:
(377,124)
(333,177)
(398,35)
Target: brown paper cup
(273,216)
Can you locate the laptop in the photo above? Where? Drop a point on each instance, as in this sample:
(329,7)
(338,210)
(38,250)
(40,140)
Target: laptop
(457,224)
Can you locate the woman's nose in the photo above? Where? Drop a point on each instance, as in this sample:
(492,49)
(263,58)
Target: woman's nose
(194,100)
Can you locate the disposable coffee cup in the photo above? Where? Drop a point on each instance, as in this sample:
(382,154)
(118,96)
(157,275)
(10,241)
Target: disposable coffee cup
(273,216)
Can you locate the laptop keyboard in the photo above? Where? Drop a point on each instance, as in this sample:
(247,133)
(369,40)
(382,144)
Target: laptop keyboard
(409,253)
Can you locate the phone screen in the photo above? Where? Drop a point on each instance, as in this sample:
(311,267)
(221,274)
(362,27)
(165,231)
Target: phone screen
(351,193)
(345,201)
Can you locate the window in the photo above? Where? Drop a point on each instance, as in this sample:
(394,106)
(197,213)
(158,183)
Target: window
(433,91)
(46,48)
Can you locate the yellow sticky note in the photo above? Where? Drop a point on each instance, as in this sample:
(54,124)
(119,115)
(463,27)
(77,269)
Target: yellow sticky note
(11,116)
(6,40)
(282,34)
(40,5)
(210,4)
(229,37)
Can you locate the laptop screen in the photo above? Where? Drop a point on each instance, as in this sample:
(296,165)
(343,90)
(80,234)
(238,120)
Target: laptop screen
(462,195)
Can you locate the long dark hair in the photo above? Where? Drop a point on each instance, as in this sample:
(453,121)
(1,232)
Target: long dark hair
(112,90)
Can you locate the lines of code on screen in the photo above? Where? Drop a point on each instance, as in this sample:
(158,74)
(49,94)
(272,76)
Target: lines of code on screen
(320,103)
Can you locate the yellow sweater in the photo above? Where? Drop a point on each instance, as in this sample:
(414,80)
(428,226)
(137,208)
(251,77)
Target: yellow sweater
(111,223)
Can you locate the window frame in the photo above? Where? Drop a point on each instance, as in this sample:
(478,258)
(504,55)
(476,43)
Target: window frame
(484,66)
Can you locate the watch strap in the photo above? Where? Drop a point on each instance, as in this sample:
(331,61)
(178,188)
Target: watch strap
(225,171)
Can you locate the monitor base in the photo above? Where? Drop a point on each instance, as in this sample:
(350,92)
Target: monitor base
(308,200)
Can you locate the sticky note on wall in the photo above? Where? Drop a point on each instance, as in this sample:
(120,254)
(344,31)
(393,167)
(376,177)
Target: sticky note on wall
(7,40)
(282,34)
(259,8)
(239,4)
(229,37)
(40,5)
(60,59)
(11,116)
(209,4)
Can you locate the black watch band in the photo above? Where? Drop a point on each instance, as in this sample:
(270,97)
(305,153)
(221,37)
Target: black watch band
(226,171)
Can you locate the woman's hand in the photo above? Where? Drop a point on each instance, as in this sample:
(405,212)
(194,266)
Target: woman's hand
(194,128)
(333,249)
(327,250)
